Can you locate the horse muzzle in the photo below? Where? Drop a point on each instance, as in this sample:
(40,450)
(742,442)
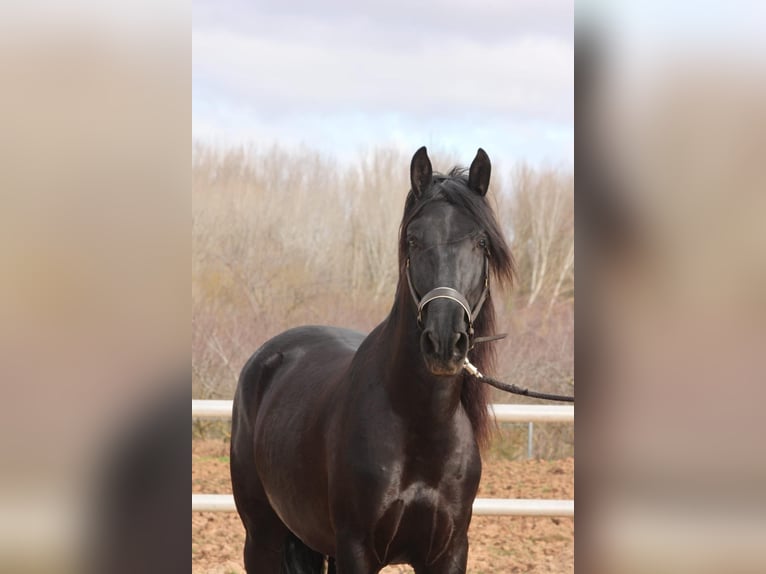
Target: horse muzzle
(444,350)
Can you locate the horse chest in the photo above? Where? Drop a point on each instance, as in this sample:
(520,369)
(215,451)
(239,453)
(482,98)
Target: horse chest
(420,519)
(416,523)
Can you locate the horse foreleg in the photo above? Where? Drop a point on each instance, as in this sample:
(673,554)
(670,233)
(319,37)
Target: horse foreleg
(264,542)
(352,557)
(454,561)
(261,558)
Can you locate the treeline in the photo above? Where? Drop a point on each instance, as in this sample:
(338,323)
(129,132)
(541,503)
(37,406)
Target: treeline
(282,238)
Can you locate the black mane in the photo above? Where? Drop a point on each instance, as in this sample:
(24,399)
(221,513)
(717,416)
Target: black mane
(453,188)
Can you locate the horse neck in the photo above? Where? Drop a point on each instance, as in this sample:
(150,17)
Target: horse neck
(415,393)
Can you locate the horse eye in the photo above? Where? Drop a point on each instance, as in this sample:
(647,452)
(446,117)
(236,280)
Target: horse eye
(412,242)
(483,243)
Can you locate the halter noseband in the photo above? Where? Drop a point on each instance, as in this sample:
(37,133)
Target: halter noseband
(452,294)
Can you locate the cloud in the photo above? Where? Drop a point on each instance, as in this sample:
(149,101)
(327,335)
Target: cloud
(395,67)
(528,77)
(489,20)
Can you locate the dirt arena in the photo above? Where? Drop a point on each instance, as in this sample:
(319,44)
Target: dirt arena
(498,543)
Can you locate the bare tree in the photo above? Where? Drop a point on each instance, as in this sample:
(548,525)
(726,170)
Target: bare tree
(541,211)
(282,238)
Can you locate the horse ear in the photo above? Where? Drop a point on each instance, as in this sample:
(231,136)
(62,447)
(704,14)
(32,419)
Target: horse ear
(420,172)
(478,175)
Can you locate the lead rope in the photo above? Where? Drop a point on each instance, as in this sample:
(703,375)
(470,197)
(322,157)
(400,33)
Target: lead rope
(508,388)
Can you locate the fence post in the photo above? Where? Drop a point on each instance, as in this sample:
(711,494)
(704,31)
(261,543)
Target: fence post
(530,434)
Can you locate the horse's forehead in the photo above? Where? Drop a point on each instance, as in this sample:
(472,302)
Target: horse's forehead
(444,220)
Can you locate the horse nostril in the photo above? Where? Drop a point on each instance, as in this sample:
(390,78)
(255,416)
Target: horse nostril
(429,343)
(460,345)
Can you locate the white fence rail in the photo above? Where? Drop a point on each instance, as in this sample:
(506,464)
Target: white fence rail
(503,413)
(481,506)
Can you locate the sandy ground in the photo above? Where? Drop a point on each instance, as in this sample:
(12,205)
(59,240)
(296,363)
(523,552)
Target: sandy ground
(497,543)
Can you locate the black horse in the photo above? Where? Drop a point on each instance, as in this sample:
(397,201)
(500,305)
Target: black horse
(365,450)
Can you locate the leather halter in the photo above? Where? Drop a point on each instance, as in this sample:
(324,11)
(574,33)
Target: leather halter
(452,294)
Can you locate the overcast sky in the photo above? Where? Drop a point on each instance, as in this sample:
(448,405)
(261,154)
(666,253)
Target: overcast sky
(341,76)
